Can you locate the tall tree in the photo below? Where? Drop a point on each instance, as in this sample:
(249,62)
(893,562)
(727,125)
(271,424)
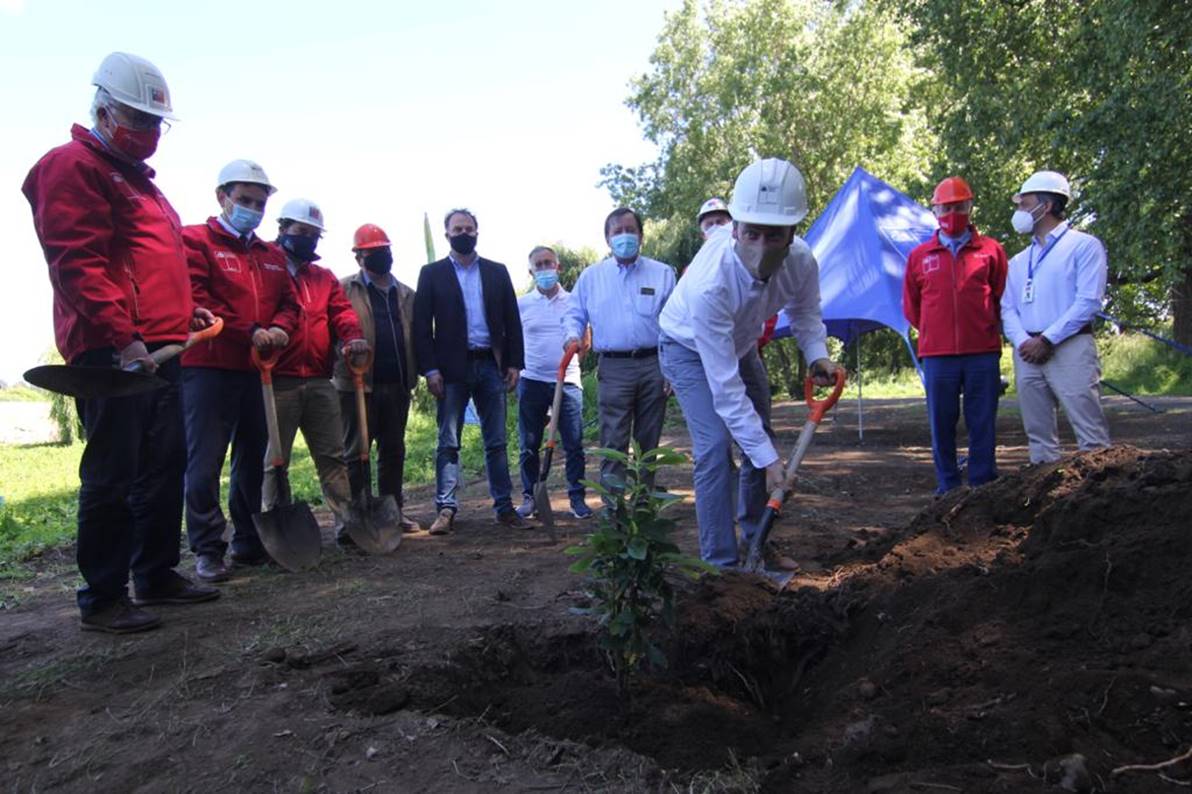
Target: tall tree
(1101,90)
(829,85)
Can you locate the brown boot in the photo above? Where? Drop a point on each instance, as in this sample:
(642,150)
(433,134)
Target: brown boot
(444,522)
(120,618)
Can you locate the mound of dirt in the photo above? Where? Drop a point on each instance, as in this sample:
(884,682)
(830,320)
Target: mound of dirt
(1033,632)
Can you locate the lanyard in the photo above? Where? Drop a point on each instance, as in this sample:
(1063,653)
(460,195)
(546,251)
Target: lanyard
(1031,263)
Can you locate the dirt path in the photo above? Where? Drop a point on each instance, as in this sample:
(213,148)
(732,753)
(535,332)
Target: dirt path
(455,664)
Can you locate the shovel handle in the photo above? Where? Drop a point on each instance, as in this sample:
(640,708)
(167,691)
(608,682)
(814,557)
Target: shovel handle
(264,362)
(166,352)
(358,370)
(557,403)
(821,407)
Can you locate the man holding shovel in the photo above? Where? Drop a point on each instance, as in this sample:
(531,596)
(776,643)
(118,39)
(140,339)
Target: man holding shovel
(304,395)
(385,308)
(709,350)
(242,279)
(118,271)
(542,311)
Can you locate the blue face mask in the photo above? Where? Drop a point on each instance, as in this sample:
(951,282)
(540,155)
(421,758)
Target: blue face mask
(243,219)
(624,245)
(302,247)
(546,279)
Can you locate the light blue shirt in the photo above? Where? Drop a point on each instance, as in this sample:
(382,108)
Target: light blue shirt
(621,303)
(954,244)
(469,283)
(1068,286)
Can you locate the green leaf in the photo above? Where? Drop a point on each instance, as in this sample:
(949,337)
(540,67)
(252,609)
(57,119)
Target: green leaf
(638,548)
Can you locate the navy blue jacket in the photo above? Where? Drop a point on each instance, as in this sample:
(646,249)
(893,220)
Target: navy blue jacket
(440,324)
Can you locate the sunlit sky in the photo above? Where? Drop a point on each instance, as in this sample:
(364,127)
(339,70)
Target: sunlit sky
(377,112)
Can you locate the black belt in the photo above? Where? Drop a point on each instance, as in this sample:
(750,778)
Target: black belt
(1087,328)
(480,352)
(641,352)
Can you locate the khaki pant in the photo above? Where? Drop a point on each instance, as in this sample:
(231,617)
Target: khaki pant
(312,405)
(1071,378)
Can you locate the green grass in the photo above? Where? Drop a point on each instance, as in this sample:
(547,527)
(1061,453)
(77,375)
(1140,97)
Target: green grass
(1130,361)
(24,394)
(39,482)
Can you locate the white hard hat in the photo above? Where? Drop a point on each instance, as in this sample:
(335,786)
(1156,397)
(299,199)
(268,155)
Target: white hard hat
(131,80)
(303,211)
(710,206)
(1045,182)
(245,171)
(769,192)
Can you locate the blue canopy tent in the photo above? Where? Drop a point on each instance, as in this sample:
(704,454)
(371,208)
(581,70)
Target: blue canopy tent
(861,241)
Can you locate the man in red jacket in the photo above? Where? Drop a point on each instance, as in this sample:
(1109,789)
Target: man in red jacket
(243,279)
(306,398)
(114,249)
(951,294)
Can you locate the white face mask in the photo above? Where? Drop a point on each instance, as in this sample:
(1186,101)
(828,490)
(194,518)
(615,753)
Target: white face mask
(761,263)
(1024,221)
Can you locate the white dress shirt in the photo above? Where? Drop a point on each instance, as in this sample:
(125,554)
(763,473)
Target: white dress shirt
(542,330)
(1068,286)
(620,302)
(718,310)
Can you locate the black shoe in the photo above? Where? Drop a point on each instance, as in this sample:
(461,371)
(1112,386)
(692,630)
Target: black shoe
(120,618)
(177,590)
(211,568)
(512,519)
(253,559)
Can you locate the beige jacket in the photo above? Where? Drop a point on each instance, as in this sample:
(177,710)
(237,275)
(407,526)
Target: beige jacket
(357,292)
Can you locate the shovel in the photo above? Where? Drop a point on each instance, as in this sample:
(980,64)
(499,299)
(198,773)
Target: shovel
(542,506)
(818,408)
(89,383)
(374,522)
(288,529)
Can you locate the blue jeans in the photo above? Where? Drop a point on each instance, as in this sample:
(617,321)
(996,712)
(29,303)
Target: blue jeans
(534,402)
(718,499)
(485,386)
(976,376)
(222,406)
(130,491)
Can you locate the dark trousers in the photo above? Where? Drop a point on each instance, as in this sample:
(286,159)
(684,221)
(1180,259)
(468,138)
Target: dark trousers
(388,409)
(534,399)
(978,378)
(130,492)
(222,406)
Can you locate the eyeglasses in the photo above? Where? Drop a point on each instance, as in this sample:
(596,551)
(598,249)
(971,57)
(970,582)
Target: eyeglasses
(136,119)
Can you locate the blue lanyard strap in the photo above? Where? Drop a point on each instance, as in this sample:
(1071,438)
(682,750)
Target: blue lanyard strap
(1030,266)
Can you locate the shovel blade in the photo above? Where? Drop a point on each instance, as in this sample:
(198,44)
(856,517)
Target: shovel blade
(290,535)
(542,508)
(89,383)
(374,523)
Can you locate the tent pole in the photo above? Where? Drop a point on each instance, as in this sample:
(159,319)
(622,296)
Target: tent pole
(860,404)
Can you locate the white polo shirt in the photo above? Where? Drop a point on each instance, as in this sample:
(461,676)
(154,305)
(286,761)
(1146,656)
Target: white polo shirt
(542,330)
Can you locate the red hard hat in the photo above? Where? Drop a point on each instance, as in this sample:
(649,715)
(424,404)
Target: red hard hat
(951,190)
(370,236)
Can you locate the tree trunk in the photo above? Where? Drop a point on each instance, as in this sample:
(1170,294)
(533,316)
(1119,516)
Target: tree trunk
(1181,309)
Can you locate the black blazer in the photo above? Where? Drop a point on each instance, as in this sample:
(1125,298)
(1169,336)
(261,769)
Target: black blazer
(441,328)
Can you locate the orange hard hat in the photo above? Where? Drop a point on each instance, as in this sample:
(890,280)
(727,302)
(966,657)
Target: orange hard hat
(951,190)
(370,236)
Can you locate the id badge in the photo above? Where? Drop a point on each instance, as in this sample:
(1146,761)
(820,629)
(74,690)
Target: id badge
(1028,291)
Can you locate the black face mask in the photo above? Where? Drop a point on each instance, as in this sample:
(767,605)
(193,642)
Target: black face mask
(303,248)
(379,261)
(463,243)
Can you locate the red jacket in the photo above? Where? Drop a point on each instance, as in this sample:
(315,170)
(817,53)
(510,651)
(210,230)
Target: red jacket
(114,249)
(326,312)
(954,303)
(246,285)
